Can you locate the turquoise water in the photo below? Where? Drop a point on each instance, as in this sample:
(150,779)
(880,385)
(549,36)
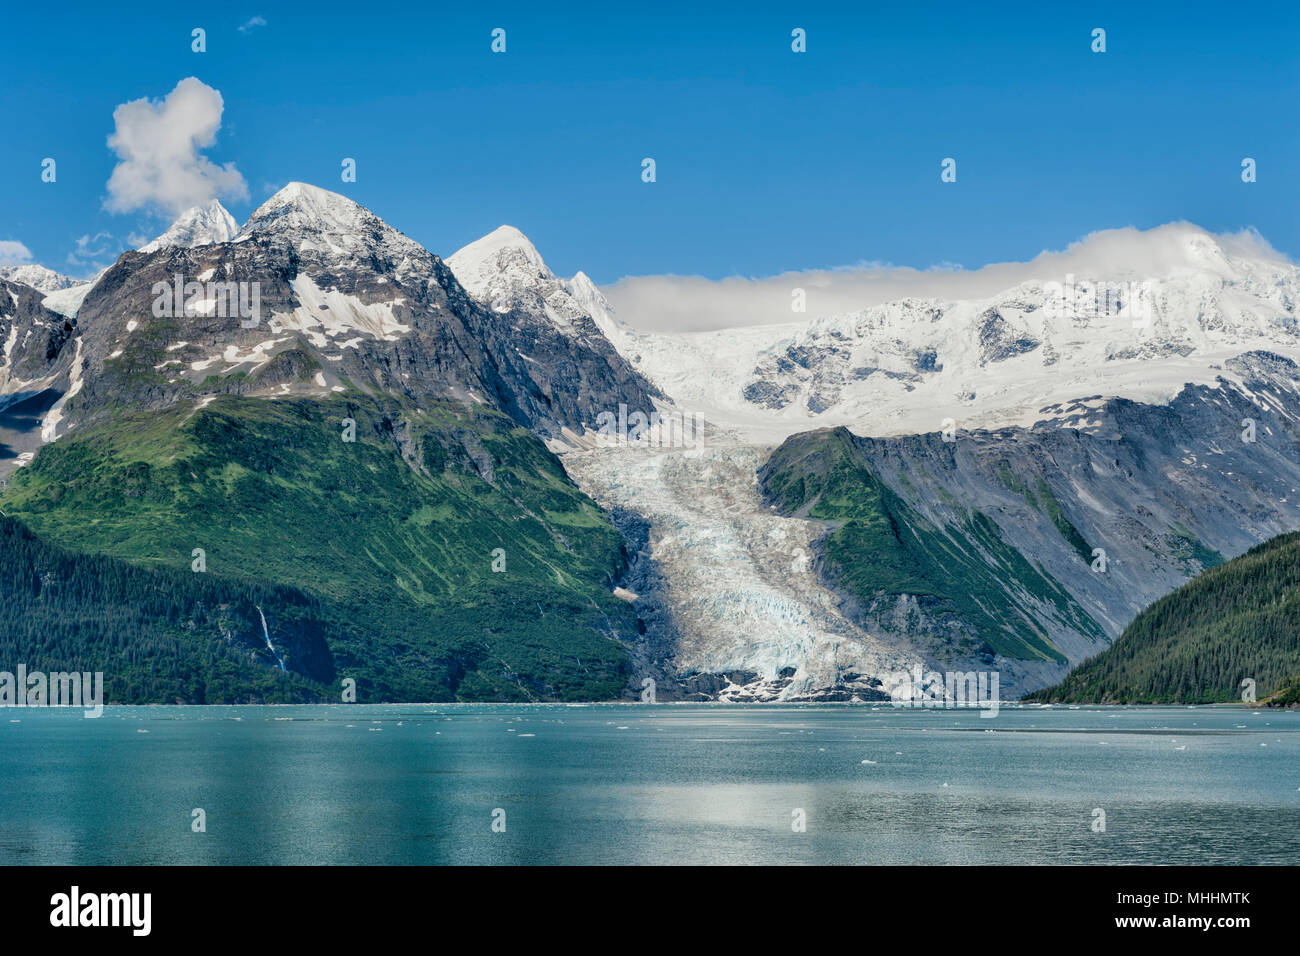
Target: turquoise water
(417,784)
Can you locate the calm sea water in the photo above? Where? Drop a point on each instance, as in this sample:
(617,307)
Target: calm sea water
(416,784)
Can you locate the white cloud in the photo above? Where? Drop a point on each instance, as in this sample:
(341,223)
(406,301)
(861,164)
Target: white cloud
(97,251)
(158,144)
(252,24)
(14,253)
(694,303)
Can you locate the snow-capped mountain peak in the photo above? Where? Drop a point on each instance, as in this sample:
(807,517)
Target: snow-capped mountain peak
(306,207)
(38,277)
(198,226)
(502,259)
(62,294)
(322,223)
(592,301)
(504,270)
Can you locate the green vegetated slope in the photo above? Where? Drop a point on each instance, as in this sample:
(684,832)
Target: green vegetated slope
(1288,695)
(880,546)
(157,634)
(1235,621)
(394,533)
(1041,497)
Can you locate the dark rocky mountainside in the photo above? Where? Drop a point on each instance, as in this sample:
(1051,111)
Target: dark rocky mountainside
(343,302)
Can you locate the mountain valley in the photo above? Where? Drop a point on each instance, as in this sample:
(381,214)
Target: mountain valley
(416,447)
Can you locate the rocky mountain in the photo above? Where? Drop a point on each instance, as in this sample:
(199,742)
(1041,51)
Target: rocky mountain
(62,294)
(35,340)
(809,570)
(995,483)
(38,277)
(436,541)
(40,357)
(505,270)
(318,403)
(1029,548)
(904,366)
(318,296)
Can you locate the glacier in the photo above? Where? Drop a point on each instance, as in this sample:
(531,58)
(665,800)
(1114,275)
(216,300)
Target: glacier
(724,585)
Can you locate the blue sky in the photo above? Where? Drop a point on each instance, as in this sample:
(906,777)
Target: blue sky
(767,160)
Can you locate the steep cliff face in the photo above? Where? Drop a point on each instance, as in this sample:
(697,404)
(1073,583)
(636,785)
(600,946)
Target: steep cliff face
(34,339)
(40,364)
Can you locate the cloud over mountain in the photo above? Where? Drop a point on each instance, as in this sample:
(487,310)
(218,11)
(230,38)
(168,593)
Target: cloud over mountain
(671,303)
(13,253)
(160,144)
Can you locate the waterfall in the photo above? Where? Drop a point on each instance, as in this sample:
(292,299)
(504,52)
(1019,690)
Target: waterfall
(269,646)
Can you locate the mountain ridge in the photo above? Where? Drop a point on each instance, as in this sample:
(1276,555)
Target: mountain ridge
(1009,437)
(344,301)
(903,366)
